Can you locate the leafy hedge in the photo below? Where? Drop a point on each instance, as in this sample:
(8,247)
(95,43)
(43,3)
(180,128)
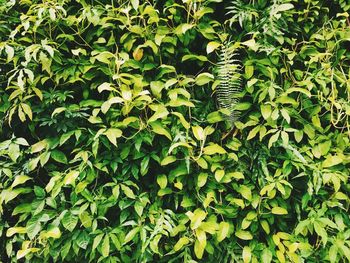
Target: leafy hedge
(113,148)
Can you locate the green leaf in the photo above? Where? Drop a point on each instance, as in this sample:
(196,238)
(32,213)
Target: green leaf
(105,86)
(168,160)
(69,221)
(180,243)
(213,149)
(144,165)
(265,225)
(14,152)
(71,177)
(284,7)
(251,44)
(162,181)
(97,241)
(253,132)
(85,219)
(266,111)
(223,231)
(211,46)
(135,4)
(219,174)
(194,57)
(198,132)
(39,146)
(266,256)
(59,156)
(215,117)
(53,232)
(332,160)
(247,254)
(279,211)
(198,249)
(161,112)
(20,179)
(244,235)
(154,244)
(10,53)
(249,71)
(196,217)
(130,235)
(202,179)
(112,135)
(320,230)
(246,192)
(274,138)
(105,246)
(15,230)
(204,78)
(158,128)
(23,252)
(332,254)
(128,192)
(33,227)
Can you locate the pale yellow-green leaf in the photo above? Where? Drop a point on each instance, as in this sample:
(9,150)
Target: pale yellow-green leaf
(85,219)
(158,128)
(182,242)
(162,181)
(39,146)
(160,113)
(112,135)
(251,44)
(249,71)
(198,132)
(245,192)
(10,53)
(105,86)
(253,132)
(55,233)
(213,149)
(71,177)
(168,160)
(201,236)
(211,46)
(244,235)
(105,246)
(219,174)
(280,256)
(130,235)
(20,179)
(196,217)
(23,252)
(265,225)
(128,192)
(204,78)
(247,254)
(223,231)
(274,138)
(279,211)
(202,179)
(236,175)
(332,160)
(198,249)
(15,230)
(266,111)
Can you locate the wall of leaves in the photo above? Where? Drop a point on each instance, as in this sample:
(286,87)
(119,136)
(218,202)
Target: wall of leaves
(113,147)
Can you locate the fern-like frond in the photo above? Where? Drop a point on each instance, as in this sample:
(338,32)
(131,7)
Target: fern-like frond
(228,73)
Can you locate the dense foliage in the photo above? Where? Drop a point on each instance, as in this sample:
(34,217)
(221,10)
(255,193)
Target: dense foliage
(114,147)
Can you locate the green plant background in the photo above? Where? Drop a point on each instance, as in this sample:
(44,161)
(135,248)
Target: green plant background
(113,148)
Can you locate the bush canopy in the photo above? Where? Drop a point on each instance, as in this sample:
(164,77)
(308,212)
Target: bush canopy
(174,131)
